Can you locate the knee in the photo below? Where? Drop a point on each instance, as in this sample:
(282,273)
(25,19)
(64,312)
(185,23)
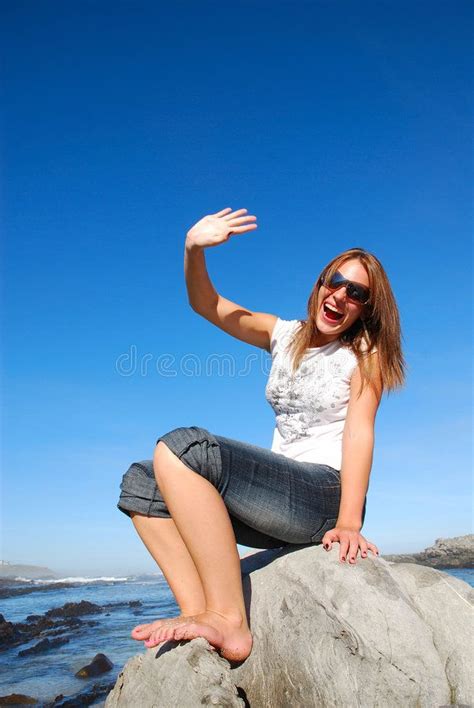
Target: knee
(161,458)
(195,447)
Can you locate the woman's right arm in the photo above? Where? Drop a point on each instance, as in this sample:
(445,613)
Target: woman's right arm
(252,327)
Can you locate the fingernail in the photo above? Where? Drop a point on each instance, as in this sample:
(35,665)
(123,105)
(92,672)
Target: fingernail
(352,558)
(326,546)
(343,558)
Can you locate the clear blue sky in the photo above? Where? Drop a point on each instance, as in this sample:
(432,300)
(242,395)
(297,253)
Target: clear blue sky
(338,124)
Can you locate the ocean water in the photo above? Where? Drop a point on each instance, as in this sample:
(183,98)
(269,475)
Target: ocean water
(48,674)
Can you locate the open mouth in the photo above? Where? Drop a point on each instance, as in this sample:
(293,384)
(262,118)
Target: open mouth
(330,314)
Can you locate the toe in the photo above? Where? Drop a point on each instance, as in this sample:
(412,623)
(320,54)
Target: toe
(178,633)
(152,640)
(141,634)
(137,629)
(168,633)
(140,628)
(159,634)
(188,631)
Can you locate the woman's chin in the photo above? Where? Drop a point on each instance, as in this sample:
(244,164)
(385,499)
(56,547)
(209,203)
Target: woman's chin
(326,327)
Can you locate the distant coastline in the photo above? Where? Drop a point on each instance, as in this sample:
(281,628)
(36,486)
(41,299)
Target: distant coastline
(456,552)
(31,572)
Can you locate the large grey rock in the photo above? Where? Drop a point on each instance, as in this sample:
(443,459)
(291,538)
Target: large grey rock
(456,552)
(326,634)
(184,675)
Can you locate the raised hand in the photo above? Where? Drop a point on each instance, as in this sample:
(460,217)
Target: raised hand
(214,229)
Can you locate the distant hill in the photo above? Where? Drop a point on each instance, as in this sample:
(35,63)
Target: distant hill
(456,552)
(32,572)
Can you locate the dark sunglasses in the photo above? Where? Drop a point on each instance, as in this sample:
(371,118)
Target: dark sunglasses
(355,291)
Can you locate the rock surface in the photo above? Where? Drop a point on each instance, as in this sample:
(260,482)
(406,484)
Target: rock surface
(56,621)
(185,675)
(457,552)
(17,699)
(75,609)
(99,665)
(326,634)
(44,645)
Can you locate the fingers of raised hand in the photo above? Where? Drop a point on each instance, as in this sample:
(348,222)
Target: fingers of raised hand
(242,229)
(222,212)
(227,213)
(234,214)
(241,219)
(240,224)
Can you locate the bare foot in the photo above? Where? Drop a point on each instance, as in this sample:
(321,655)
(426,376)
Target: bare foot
(162,630)
(143,631)
(232,639)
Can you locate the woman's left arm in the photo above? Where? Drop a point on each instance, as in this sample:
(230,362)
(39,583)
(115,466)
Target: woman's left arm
(357,454)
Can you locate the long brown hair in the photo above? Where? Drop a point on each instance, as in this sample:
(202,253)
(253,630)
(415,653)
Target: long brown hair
(378,325)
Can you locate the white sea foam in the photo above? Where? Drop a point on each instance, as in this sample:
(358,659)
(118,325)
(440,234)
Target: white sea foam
(72,579)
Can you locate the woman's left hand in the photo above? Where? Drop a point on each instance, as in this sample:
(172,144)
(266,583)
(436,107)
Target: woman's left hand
(350,541)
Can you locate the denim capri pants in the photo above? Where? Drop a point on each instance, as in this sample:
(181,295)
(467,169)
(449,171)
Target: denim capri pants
(272,500)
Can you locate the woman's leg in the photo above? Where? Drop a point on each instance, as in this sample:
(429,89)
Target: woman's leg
(164,542)
(203,522)
(208,483)
(142,500)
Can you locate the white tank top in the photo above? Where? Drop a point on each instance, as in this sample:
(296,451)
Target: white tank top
(311,405)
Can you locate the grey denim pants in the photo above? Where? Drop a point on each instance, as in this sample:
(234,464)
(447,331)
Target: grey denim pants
(272,500)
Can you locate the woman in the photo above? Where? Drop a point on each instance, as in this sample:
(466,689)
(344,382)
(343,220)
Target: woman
(202,492)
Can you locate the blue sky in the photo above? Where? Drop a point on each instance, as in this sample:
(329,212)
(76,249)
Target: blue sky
(338,124)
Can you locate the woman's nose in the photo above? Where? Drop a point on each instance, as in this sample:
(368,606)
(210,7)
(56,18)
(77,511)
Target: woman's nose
(341,293)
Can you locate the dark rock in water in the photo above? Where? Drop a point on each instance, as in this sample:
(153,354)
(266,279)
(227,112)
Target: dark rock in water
(44,645)
(99,665)
(8,632)
(86,697)
(457,552)
(26,631)
(35,627)
(72,622)
(9,590)
(18,699)
(74,609)
(118,604)
(69,624)
(52,623)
